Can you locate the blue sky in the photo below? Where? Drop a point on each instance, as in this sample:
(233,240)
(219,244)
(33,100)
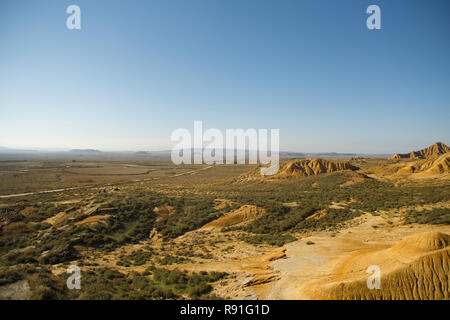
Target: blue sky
(137,70)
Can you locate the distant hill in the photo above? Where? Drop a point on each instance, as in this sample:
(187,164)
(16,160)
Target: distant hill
(142,153)
(332,155)
(436,149)
(85,151)
(309,167)
(302,168)
(291,154)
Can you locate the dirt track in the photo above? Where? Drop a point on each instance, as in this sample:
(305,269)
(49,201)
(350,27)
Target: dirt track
(99,186)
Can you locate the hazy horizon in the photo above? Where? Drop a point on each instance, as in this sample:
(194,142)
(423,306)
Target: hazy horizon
(168,149)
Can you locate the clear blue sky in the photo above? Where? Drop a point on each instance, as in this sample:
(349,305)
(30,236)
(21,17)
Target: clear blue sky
(137,70)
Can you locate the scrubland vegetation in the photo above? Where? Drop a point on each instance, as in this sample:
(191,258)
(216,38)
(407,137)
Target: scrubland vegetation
(102,283)
(43,232)
(434,216)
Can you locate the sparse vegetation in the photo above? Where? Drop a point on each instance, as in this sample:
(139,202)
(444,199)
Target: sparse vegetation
(96,227)
(155,283)
(190,214)
(435,216)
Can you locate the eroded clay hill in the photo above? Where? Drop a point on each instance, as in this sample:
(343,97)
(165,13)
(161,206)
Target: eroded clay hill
(309,167)
(431,166)
(436,149)
(299,168)
(417,267)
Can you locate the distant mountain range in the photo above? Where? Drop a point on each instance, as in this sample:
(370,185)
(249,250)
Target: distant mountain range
(436,149)
(289,154)
(283,154)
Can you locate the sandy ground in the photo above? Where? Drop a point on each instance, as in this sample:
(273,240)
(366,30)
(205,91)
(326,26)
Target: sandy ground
(264,272)
(308,262)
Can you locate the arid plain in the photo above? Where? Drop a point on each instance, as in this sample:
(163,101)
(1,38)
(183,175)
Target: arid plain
(140,227)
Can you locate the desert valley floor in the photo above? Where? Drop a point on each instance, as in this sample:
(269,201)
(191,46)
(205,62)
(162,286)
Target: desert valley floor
(143,228)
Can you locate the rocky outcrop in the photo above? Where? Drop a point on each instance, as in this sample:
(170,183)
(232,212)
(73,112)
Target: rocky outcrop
(309,167)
